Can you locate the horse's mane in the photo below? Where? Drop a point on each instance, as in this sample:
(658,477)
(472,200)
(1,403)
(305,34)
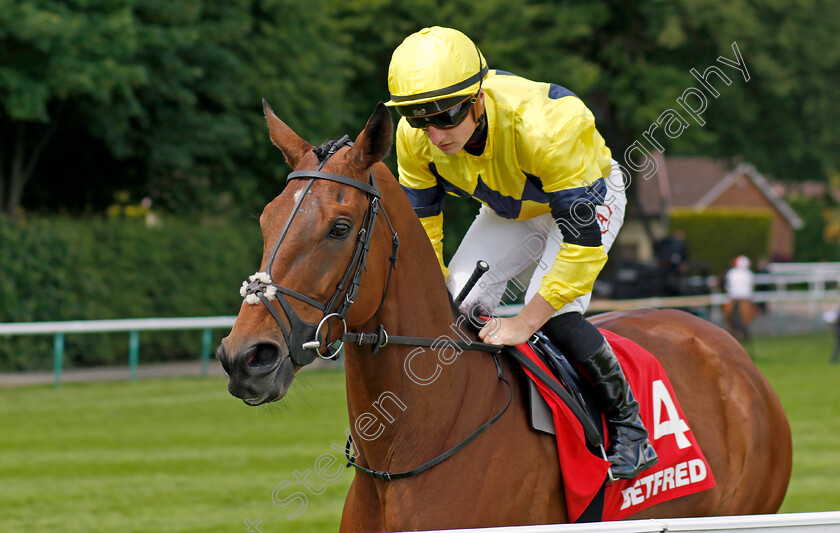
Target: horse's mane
(456,312)
(328,147)
(454,308)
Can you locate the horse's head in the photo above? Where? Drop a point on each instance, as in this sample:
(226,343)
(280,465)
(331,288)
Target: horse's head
(316,234)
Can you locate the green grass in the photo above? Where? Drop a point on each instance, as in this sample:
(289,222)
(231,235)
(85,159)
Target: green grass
(809,387)
(175,455)
(181,455)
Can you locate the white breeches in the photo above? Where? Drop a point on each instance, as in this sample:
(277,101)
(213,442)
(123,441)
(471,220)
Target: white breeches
(511,246)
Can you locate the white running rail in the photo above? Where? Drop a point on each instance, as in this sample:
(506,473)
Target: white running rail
(778,523)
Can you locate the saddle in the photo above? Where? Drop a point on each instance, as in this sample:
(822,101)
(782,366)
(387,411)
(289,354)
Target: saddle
(566,383)
(580,400)
(541,418)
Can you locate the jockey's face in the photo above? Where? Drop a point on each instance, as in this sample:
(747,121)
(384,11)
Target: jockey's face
(452,140)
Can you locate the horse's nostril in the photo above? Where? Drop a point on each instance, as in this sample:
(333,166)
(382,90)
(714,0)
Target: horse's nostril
(262,355)
(221,355)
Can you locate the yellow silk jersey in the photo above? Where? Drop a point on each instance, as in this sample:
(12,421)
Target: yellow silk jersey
(542,154)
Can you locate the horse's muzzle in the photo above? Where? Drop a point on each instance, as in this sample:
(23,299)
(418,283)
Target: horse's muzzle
(259,373)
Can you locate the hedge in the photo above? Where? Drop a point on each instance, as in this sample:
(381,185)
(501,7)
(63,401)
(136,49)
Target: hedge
(716,236)
(65,269)
(817,240)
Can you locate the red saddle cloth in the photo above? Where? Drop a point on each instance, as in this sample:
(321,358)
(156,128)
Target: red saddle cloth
(682,469)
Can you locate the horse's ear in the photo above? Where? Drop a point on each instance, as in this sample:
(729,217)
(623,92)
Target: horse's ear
(292,146)
(374,142)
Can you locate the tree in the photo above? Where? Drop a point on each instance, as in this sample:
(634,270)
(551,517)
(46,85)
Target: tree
(50,54)
(170,90)
(163,98)
(630,61)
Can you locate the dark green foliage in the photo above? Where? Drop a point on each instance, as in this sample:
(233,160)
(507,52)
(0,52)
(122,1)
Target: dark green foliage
(66,269)
(630,61)
(163,98)
(811,243)
(716,236)
(169,93)
(458,214)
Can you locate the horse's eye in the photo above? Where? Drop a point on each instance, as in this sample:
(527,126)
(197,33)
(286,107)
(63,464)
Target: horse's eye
(340,230)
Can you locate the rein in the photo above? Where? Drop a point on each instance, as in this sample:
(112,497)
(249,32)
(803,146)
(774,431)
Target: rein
(260,288)
(304,338)
(390,476)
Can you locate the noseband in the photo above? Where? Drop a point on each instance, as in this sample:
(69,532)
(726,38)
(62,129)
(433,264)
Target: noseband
(304,338)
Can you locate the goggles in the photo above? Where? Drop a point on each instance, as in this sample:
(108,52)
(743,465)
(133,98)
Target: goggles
(444,114)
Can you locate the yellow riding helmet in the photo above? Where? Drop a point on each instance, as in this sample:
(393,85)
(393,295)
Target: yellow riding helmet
(434,63)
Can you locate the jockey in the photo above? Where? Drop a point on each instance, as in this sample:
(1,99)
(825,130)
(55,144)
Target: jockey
(530,154)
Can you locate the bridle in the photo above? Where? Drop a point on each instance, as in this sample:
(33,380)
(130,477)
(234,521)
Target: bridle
(304,338)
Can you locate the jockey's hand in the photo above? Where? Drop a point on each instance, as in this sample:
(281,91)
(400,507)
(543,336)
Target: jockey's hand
(515,330)
(511,331)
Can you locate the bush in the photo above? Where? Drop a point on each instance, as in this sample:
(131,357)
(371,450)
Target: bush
(63,269)
(716,236)
(817,240)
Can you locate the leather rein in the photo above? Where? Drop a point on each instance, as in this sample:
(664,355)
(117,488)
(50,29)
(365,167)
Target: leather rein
(304,338)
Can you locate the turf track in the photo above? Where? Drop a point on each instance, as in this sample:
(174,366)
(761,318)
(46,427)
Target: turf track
(181,455)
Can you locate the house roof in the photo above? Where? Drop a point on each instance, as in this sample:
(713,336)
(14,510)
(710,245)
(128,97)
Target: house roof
(697,182)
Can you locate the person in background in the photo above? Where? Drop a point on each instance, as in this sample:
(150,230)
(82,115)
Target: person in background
(673,260)
(739,310)
(832,317)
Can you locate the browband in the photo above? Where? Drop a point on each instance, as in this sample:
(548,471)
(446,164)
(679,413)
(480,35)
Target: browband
(303,174)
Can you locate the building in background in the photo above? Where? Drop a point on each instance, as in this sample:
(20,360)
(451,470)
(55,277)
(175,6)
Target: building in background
(701,183)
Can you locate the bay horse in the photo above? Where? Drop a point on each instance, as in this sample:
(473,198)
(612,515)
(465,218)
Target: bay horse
(738,315)
(412,406)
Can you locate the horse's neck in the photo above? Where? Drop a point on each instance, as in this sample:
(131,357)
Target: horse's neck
(405,402)
(407,394)
(417,306)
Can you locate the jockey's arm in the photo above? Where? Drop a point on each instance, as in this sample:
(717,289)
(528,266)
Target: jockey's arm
(424,193)
(572,160)
(573,274)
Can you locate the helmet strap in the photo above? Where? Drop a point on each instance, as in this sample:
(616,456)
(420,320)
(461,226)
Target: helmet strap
(474,109)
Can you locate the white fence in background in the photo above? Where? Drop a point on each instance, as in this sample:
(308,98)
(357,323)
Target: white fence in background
(804,290)
(780,523)
(813,286)
(133,326)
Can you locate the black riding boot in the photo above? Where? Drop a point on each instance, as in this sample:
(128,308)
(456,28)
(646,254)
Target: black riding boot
(630,451)
(584,346)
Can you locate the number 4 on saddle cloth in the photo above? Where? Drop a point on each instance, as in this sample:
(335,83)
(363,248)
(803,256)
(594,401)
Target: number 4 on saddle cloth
(682,468)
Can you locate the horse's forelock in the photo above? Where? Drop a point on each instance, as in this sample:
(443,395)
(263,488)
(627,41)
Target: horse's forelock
(323,152)
(330,148)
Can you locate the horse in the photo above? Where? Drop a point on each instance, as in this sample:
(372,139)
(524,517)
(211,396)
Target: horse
(738,315)
(407,405)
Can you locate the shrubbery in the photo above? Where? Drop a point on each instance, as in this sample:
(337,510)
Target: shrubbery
(716,236)
(64,269)
(817,240)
